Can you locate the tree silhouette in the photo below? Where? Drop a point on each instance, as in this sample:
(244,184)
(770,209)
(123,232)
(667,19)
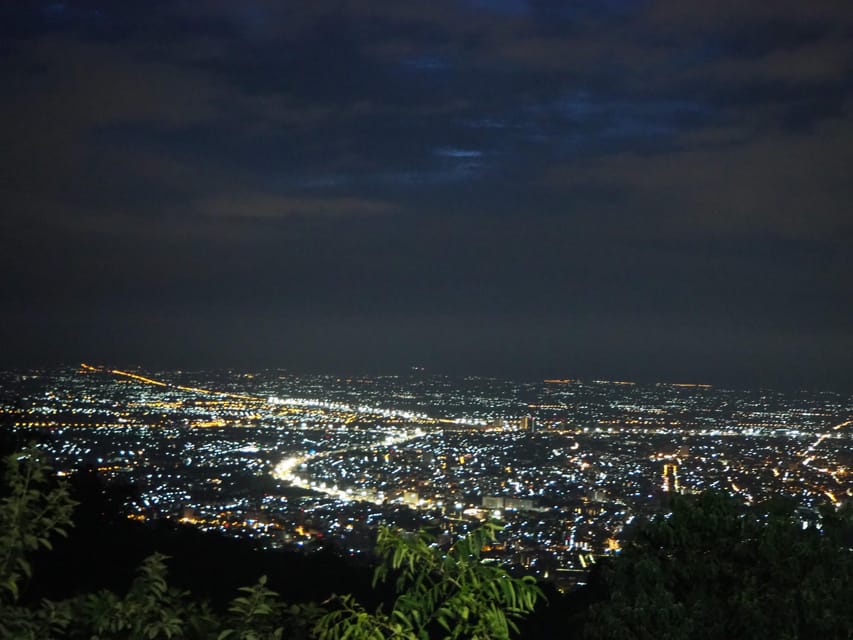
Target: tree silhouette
(713,568)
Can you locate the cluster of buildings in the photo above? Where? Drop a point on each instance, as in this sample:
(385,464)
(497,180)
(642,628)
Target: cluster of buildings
(317,462)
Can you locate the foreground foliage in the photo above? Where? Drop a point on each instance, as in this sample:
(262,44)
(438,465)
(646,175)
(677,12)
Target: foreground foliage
(715,569)
(450,592)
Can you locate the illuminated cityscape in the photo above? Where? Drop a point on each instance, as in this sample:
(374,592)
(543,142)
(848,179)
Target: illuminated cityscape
(337,320)
(316,462)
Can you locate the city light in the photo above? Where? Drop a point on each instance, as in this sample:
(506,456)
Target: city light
(320,460)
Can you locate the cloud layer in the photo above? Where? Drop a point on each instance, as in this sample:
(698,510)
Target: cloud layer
(648,189)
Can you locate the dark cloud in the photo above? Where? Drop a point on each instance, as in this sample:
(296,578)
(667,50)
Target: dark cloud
(615,188)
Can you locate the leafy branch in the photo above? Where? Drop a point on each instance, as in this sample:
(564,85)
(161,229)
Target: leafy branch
(448,592)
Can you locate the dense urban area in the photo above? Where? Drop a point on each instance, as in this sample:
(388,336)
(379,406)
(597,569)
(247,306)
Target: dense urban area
(317,462)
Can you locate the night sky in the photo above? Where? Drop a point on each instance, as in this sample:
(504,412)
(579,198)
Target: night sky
(651,190)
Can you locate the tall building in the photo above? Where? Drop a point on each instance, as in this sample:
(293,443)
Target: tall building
(527,423)
(670,478)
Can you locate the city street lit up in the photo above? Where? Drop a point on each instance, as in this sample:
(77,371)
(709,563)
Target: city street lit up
(457,318)
(292,461)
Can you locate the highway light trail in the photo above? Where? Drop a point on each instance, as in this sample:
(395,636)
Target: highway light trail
(286,470)
(807,459)
(160,383)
